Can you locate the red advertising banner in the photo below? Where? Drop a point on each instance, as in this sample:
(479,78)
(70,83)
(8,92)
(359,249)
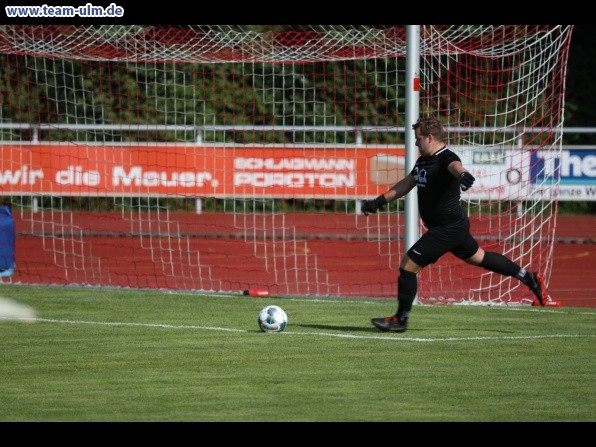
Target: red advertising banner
(199,171)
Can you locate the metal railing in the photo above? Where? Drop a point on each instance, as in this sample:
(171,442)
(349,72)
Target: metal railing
(199,131)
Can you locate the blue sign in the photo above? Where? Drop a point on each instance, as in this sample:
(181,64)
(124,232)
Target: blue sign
(575,167)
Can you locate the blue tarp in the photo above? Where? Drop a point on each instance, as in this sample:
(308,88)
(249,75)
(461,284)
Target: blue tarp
(7,241)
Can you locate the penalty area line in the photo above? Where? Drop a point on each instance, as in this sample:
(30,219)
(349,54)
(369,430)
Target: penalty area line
(158,325)
(388,337)
(423,340)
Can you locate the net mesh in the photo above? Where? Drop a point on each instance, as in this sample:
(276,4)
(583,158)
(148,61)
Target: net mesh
(222,158)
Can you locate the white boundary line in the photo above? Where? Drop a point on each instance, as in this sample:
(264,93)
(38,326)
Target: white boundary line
(321,334)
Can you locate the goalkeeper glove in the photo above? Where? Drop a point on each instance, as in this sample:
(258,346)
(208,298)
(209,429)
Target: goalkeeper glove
(372,206)
(466,180)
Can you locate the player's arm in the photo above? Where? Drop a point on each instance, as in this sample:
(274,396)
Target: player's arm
(400,189)
(466,180)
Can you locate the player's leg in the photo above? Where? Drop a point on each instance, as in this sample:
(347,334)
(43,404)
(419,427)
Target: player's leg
(427,250)
(407,287)
(498,263)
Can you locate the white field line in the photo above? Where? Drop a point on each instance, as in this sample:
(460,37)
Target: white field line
(389,337)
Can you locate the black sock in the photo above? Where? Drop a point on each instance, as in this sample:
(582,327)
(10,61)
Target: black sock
(407,287)
(496,262)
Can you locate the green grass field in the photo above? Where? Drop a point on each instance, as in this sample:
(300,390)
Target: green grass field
(129,355)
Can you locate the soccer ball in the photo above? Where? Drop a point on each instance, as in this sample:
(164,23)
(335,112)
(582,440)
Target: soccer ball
(272,319)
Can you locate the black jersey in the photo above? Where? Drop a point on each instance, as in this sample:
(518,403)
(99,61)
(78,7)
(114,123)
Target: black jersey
(438,189)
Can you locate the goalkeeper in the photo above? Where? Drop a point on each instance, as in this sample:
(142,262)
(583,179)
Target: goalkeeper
(439,176)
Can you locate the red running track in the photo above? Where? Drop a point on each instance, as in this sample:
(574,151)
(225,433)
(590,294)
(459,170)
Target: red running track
(228,263)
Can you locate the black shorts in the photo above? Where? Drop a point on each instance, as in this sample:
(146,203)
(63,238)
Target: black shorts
(437,241)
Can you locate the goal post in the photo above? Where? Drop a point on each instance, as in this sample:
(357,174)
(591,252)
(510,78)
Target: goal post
(226,158)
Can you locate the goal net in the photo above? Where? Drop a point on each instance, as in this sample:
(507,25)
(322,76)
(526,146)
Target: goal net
(225,158)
